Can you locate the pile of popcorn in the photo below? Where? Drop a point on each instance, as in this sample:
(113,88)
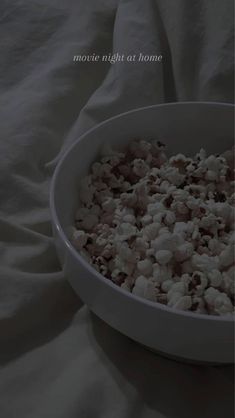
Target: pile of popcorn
(161,228)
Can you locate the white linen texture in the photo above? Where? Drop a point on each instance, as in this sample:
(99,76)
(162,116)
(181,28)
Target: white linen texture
(57,359)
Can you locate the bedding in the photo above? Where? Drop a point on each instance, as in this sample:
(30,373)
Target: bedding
(57,359)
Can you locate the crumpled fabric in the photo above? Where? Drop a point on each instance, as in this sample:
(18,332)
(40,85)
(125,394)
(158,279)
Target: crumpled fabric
(57,359)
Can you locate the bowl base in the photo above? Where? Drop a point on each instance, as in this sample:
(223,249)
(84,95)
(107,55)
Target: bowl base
(184,360)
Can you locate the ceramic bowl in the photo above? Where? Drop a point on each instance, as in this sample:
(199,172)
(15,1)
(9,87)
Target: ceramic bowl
(184,127)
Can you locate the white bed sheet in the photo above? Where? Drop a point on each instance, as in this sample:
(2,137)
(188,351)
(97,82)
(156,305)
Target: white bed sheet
(58,360)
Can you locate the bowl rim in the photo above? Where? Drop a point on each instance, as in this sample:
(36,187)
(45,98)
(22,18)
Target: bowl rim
(86,264)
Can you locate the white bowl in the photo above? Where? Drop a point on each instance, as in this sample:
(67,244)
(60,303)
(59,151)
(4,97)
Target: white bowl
(184,127)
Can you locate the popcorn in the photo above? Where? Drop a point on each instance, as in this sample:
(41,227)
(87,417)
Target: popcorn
(192,202)
(167,285)
(124,266)
(164,186)
(145,267)
(175,298)
(181,208)
(169,218)
(146,220)
(184,252)
(205,263)
(198,304)
(150,231)
(140,287)
(109,205)
(178,288)
(228,282)
(128,199)
(129,219)
(125,231)
(211,175)
(155,208)
(79,239)
(173,176)
(223,304)
(89,222)
(151,292)
(140,168)
(161,273)
(180,195)
(214,246)
(210,296)
(125,253)
(179,159)
(163,256)
(100,241)
(227,256)
(162,242)
(207,221)
(161,228)
(158,217)
(141,244)
(231,272)
(184,303)
(223,210)
(198,283)
(183,228)
(215,278)
(218,301)
(125,286)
